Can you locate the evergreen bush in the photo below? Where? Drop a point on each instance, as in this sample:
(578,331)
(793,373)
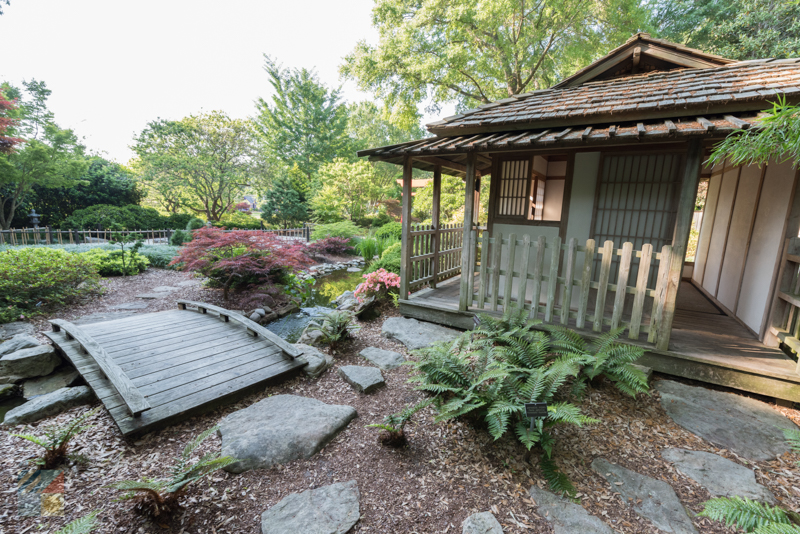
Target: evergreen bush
(390,260)
(345,229)
(110,262)
(391,229)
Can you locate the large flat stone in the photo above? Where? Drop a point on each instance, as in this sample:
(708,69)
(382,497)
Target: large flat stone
(48,405)
(18,342)
(720,476)
(50,383)
(9,330)
(416,334)
(384,359)
(363,379)
(481,523)
(659,504)
(565,516)
(280,429)
(330,509)
(317,361)
(40,360)
(750,428)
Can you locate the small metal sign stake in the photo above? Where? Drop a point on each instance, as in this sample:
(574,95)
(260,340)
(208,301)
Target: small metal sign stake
(535,410)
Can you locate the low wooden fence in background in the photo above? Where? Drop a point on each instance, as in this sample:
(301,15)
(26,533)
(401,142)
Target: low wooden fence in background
(435,254)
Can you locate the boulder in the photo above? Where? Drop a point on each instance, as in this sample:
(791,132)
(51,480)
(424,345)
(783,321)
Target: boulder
(8,390)
(565,516)
(651,498)
(327,510)
(720,476)
(256,318)
(47,384)
(416,334)
(363,379)
(28,363)
(750,428)
(317,362)
(481,523)
(9,330)
(384,359)
(49,405)
(311,336)
(18,342)
(261,311)
(280,429)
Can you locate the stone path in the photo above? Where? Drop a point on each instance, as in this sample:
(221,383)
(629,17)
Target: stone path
(481,523)
(363,379)
(416,334)
(651,498)
(386,360)
(750,428)
(565,516)
(330,509)
(279,429)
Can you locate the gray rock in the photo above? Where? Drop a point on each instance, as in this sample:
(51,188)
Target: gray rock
(50,383)
(130,306)
(8,390)
(255,317)
(363,379)
(48,405)
(165,288)
(102,317)
(750,428)
(347,295)
(11,379)
(416,334)
(720,476)
(658,503)
(384,359)
(348,305)
(354,270)
(311,336)
(152,296)
(260,311)
(482,523)
(280,429)
(567,517)
(327,510)
(12,329)
(318,362)
(28,363)
(18,342)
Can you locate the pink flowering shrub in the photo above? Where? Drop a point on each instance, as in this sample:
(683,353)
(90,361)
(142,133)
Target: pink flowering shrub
(377,284)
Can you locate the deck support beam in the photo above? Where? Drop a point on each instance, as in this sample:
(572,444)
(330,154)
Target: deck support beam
(435,210)
(467,247)
(683,226)
(405,247)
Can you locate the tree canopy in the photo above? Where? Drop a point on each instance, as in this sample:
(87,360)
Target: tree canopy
(282,205)
(347,190)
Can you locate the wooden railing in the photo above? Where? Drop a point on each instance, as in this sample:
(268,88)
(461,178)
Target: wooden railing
(784,320)
(514,272)
(435,254)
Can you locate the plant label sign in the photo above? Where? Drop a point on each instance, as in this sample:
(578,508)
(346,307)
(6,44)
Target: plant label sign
(534,410)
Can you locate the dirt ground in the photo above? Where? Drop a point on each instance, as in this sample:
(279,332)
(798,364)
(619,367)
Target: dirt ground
(449,471)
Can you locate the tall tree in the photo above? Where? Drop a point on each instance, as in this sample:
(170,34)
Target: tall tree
(304,122)
(282,205)
(50,157)
(210,158)
(475,52)
(346,190)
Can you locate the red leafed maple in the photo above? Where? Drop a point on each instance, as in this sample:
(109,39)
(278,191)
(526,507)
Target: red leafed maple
(238,259)
(7,143)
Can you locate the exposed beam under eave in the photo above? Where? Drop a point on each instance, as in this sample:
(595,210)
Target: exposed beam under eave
(446,163)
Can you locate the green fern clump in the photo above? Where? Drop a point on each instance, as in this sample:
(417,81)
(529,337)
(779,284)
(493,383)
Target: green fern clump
(56,440)
(82,525)
(752,516)
(392,428)
(161,497)
(336,326)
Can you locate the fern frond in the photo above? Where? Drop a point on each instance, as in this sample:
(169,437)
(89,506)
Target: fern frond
(557,480)
(33,439)
(792,437)
(743,513)
(82,525)
(387,428)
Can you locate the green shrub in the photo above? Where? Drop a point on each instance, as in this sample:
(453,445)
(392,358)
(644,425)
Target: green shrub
(336,326)
(381,220)
(345,229)
(110,262)
(392,229)
(159,255)
(238,221)
(390,260)
(36,279)
(368,248)
(195,224)
(179,237)
(178,221)
(130,217)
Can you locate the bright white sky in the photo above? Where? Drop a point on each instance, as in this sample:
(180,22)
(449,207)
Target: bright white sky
(113,66)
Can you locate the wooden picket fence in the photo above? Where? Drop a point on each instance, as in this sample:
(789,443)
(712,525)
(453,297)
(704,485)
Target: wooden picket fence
(567,295)
(784,320)
(435,253)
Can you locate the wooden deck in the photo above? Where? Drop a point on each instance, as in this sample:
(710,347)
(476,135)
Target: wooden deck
(705,345)
(182,362)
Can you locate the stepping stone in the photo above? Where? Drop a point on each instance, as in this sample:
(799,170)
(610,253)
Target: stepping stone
(50,383)
(280,429)
(130,306)
(40,360)
(165,288)
(750,428)
(658,503)
(9,330)
(416,334)
(18,342)
(317,361)
(720,476)
(384,359)
(327,510)
(102,317)
(567,517)
(481,523)
(151,296)
(48,405)
(363,379)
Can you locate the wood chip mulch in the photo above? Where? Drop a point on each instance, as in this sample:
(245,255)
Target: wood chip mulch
(448,472)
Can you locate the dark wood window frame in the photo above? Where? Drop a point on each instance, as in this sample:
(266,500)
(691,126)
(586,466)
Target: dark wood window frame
(495,217)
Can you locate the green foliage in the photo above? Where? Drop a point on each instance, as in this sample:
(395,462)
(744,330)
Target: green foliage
(792,436)
(344,229)
(390,260)
(751,516)
(179,237)
(161,497)
(392,229)
(348,190)
(336,326)
(37,279)
(393,425)
(117,262)
(131,217)
(159,255)
(368,248)
(56,440)
(238,220)
(82,525)
(177,221)
(195,224)
(283,205)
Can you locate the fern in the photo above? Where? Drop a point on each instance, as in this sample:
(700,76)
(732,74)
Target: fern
(56,440)
(743,513)
(394,424)
(792,436)
(82,525)
(557,480)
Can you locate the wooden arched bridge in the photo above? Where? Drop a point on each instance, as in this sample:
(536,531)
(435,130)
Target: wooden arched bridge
(150,370)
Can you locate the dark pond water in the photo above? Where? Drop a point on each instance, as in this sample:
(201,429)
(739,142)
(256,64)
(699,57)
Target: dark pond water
(8,404)
(325,290)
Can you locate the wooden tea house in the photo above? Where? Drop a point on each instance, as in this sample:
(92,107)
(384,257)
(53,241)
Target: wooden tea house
(592,197)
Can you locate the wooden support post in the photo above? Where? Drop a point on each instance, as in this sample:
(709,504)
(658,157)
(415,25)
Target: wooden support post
(405,247)
(467,244)
(435,208)
(683,226)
